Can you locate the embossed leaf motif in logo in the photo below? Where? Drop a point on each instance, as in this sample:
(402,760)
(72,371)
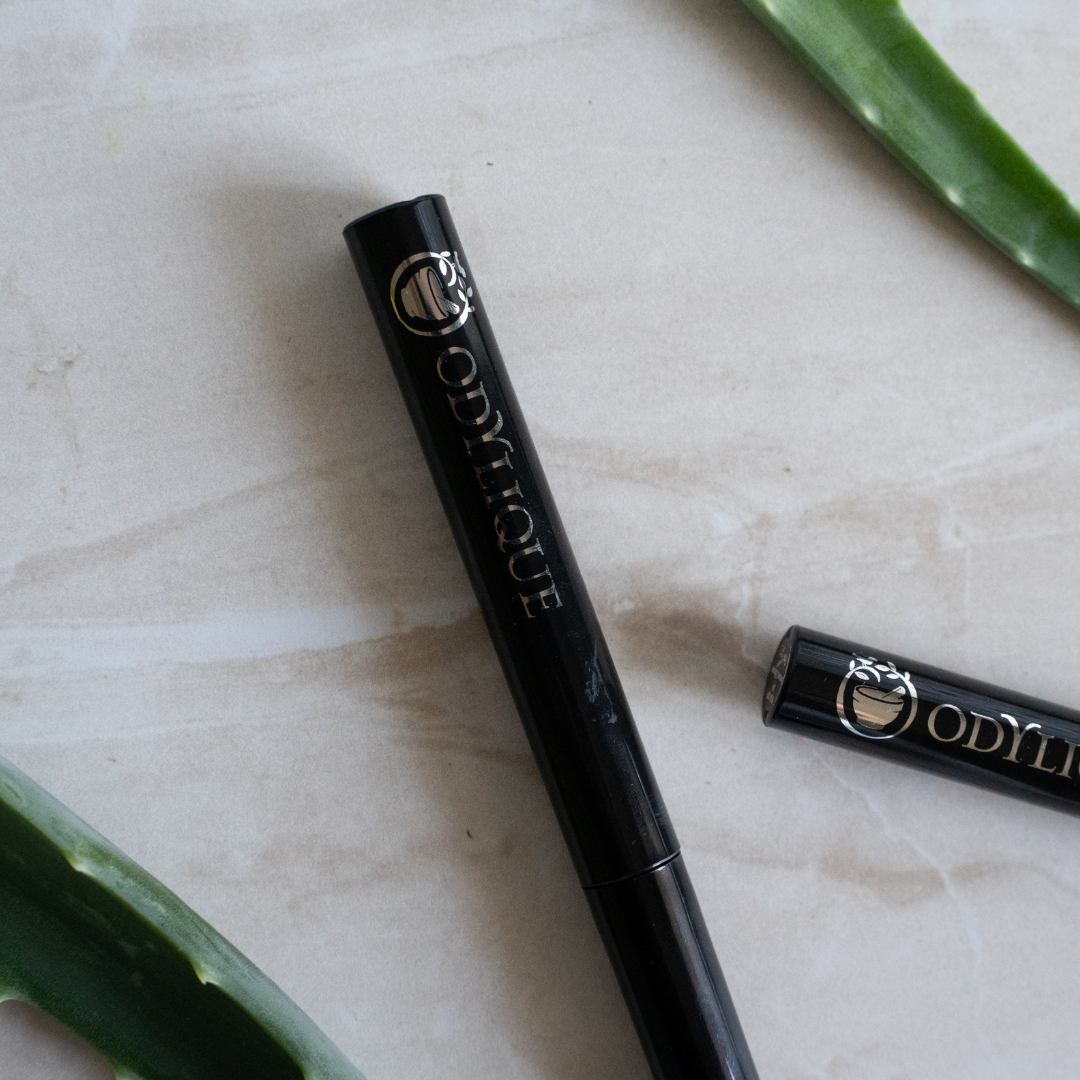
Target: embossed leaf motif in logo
(876,700)
(429,294)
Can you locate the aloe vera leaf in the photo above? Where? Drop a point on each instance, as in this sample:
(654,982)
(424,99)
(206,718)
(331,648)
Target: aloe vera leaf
(871,57)
(94,940)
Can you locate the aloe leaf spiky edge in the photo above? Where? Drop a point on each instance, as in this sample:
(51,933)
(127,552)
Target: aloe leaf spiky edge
(90,937)
(871,57)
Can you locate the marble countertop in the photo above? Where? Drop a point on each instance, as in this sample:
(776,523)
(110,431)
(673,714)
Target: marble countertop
(771,380)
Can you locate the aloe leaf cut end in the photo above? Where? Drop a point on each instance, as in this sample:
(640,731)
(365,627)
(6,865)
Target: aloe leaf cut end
(90,937)
(871,57)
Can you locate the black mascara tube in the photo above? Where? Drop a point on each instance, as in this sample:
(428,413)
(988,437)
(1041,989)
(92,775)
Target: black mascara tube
(882,704)
(547,637)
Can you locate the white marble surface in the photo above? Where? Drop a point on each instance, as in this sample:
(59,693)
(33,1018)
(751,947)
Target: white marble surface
(771,380)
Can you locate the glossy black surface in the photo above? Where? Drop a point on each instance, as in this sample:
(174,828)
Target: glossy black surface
(543,625)
(892,707)
(671,978)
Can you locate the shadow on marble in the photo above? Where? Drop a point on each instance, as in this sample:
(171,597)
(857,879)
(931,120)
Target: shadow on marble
(686,641)
(33,1043)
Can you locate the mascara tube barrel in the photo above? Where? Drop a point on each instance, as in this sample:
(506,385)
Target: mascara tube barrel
(882,704)
(546,634)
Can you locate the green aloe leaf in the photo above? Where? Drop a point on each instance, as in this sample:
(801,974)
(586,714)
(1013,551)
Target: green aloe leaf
(870,56)
(93,939)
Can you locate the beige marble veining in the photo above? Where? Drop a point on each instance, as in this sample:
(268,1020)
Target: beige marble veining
(771,381)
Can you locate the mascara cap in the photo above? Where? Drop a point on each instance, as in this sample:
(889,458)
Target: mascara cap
(426,303)
(886,705)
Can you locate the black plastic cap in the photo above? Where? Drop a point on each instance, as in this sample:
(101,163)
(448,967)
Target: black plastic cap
(896,708)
